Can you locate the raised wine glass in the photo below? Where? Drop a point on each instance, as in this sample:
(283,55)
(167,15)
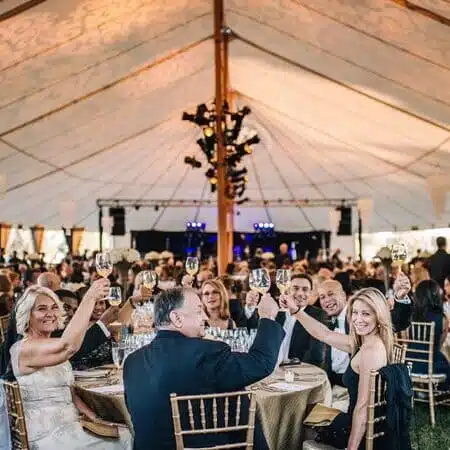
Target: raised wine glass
(149,279)
(103,264)
(399,253)
(115,295)
(192,265)
(283,280)
(259,281)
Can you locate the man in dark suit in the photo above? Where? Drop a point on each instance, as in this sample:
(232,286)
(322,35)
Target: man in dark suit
(179,361)
(298,343)
(440,262)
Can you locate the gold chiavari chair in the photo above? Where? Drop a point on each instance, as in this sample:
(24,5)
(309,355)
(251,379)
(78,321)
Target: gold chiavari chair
(422,334)
(399,356)
(376,409)
(3,327)
(199,425)
(18,430)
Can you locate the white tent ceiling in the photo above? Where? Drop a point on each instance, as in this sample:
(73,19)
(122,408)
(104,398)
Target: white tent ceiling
(350,97)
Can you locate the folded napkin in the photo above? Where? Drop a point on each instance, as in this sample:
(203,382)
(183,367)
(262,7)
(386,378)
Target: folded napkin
(109,389)
(91,373)
(289,387)
(100,429)
(321,415)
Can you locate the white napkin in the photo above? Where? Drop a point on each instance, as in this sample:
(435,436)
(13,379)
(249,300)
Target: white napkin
(110,389)
(90,373)
(290,387)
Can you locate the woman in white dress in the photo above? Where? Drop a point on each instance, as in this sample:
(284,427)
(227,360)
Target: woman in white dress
(42,369)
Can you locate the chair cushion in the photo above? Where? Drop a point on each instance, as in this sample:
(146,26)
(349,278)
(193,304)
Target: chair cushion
(313,445)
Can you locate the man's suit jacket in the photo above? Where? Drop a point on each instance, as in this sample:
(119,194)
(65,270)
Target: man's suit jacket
(174,363)
(439,266)
(303,346)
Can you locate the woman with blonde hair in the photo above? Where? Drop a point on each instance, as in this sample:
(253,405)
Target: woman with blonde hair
(216,304)
(370,344)
(41,366)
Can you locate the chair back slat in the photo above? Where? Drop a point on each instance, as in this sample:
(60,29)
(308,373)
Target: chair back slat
(220,423)
(18,430)
(4,320)
(191,415)
(399,354)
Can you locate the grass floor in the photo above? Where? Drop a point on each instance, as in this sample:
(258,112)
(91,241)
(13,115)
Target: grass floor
(426,438)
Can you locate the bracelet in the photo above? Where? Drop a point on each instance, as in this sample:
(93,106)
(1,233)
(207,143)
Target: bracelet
(299,308)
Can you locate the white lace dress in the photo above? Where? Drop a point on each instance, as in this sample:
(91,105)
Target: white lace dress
(50,415)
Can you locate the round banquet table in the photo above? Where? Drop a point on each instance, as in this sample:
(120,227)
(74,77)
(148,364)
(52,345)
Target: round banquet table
(281,406)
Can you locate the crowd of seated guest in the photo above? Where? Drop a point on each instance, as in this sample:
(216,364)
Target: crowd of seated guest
(321,328)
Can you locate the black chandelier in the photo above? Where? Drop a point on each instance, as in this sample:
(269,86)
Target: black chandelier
(236,148)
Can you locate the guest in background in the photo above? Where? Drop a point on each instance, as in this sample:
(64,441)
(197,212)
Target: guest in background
(216,305)
(446,299)
(428,307)
(283,258)
(179,361)
(49,280)
(70,302)
(6,293)
(439,262)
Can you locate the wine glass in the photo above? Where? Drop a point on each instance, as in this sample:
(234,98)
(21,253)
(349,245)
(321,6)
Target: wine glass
(399,253)
(192,265)
(283,280)
(259,281)
(118,353)
(149,279)
(103,264)
(115,296)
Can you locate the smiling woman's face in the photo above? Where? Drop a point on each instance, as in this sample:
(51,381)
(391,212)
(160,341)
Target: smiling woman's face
(44,315)
(363,318)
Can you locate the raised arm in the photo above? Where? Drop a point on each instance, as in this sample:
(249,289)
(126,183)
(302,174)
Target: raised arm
(39,353)
(314,327)
(229,371)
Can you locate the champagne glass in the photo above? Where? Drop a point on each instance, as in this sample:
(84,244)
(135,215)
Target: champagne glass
(283,280)
(115,296)
(259,281)
(192,265)
(399,253)
(149,279)
(103,264)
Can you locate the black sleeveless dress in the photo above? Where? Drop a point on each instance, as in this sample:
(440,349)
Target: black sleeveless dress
(351,382)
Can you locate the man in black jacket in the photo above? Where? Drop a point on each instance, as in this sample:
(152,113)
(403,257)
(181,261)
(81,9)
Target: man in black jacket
(298,343)
(440,262)
(180,361)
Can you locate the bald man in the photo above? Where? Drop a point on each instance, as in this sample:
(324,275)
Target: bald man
(49,280)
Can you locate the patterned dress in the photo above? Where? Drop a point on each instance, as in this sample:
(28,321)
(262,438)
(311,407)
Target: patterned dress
(50,415)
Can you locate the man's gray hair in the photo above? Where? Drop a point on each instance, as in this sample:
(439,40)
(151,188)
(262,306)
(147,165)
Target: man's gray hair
(165,303)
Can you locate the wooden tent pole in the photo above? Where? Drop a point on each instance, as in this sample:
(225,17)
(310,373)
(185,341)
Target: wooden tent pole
(222,244)
(229,98)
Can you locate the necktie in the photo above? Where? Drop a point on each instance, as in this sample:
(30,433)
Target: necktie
(333,323)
